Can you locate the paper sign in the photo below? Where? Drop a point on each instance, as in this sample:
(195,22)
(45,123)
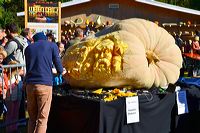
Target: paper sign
(132,109)
(178,88)
(181,102)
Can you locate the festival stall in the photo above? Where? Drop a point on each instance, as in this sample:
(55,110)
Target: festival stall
(174,19)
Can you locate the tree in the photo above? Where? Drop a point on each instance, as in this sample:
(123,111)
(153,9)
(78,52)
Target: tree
(59,0)
(8,11)
(193,4)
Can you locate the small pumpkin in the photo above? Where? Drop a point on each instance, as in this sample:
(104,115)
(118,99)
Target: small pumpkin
(132,52)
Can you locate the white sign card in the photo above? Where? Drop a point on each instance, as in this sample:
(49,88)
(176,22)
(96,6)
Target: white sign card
(181,100)
(132,109)
(45,27)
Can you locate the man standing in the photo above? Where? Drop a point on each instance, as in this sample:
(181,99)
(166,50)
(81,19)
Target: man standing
(78,36)
(38,80)
(16,45)
(27,33)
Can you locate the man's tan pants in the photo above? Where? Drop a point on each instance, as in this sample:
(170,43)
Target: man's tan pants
(38,104)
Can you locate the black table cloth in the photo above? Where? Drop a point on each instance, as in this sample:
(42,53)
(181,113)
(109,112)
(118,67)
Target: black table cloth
(190,122)
(70,114)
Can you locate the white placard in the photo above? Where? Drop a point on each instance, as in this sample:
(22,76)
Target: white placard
(132,109)
(178,88)
(45,27)
(181,100)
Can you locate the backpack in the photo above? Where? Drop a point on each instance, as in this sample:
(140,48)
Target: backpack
(21,47)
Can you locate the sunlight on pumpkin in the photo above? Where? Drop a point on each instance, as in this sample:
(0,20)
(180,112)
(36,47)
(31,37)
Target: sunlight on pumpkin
(105,57)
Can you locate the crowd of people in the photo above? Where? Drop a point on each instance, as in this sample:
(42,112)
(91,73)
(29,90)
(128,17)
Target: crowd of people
(41,55)
(188,46)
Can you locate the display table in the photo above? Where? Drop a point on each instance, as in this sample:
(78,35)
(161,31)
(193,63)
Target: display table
(189,123)
(70,114)
(194,56)
(158,113)
(191,64)
(73,115)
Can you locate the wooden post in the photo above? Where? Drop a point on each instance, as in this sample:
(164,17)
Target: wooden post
(25,13)
(59,21)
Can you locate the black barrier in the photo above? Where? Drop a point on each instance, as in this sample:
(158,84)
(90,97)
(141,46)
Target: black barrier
(4,107)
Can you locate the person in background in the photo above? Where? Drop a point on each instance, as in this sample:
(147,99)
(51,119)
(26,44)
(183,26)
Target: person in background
(50,37)
(3,83)
(3,55)
(38,80)
(78,37)
(2,33)
(195,45)
(64,40)
(15,46)
(13,99)
(3,39)
(188,46)
(27,33)
(197,33)
(179,42)
(61,48)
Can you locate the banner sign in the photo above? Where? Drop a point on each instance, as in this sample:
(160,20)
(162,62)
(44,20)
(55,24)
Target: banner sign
(43,12)
(43,16)
(44,27)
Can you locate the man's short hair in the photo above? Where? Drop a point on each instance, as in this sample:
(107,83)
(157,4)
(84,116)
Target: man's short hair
(25,32)
(12,28)
(78,32)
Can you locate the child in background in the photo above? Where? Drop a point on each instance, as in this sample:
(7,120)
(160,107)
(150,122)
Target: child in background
(13,97)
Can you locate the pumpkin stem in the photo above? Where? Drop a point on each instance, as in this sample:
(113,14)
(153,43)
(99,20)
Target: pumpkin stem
(152,57)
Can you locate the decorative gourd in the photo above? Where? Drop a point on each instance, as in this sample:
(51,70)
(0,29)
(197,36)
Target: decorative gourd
(132,52)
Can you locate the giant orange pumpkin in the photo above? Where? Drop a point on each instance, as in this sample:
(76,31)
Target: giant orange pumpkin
(133,52)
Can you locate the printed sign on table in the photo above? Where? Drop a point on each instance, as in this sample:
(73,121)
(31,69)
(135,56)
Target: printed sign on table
(132,109)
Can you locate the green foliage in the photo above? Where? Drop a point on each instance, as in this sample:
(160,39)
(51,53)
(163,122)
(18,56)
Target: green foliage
(59,0)
(193,4)
(8,11)
(7,17)
(1,11)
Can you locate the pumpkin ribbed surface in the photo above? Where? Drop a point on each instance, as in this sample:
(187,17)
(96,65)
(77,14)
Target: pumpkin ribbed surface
(133,52)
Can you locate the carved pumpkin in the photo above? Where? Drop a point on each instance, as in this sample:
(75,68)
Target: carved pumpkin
(133,52)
